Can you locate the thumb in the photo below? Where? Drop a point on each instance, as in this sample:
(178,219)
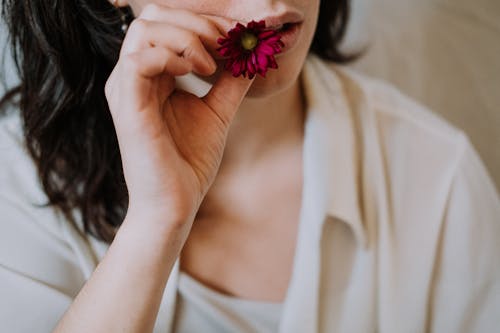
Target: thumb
(226,94)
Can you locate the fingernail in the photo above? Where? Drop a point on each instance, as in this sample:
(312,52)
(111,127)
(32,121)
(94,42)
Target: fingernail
(211,64)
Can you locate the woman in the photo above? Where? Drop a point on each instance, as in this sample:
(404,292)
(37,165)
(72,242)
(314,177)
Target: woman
(312,200)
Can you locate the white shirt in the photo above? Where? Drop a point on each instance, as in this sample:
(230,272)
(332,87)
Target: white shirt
(399,225)
(200,308)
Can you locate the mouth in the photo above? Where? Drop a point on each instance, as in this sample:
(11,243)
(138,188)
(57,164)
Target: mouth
(282,27)
(290,34)
(283,22)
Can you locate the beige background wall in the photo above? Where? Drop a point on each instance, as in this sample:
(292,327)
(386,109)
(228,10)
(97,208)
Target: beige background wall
(444,53)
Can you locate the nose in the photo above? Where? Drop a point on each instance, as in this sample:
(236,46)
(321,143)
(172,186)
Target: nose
(245,11)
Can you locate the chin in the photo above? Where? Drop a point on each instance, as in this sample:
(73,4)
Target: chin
(276,80)
(271,85)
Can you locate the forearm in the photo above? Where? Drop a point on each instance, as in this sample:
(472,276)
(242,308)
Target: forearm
(124,292)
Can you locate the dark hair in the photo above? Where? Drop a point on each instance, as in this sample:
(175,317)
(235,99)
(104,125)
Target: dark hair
(64,52)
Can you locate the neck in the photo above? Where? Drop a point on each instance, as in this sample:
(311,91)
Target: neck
(263,125)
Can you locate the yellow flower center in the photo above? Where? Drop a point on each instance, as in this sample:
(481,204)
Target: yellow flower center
(248,41)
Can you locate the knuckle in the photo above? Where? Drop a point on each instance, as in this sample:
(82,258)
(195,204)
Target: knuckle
(108,93)
(192,43)
(108,85)
(107,89)
(151,10)
(130,62)
(188,52)
(209,27)
(192,39)
(138,25)
(162,51)
(164,54)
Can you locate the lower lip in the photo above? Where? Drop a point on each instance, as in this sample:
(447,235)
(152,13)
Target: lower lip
(290,37)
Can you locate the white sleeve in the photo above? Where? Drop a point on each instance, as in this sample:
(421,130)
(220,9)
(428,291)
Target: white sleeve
(39,272)
(28,305)
(466,293)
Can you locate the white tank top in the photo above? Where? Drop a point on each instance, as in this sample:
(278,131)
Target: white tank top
(202,309)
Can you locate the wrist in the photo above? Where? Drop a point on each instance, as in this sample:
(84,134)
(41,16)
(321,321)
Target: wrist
(153,234)
(158,221)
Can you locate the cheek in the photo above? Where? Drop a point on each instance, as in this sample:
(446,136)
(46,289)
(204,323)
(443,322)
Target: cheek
(197,6)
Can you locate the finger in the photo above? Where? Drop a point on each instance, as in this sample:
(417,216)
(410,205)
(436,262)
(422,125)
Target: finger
(223,24)
(226,95)
(208,27)
(154,61)
(144,34)
(137,71)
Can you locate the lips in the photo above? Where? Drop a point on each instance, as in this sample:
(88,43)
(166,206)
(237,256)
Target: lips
(290,36)
(276,27)
(289,25)
(281,27)
(283,21)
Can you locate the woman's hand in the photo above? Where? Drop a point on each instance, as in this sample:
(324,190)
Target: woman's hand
(171,141)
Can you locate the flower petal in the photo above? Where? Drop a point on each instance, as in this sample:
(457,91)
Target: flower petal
(259,59)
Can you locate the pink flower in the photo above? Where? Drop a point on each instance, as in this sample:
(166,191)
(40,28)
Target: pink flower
(250,49)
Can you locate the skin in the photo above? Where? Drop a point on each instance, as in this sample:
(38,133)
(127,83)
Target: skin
(212,179)
(261,148)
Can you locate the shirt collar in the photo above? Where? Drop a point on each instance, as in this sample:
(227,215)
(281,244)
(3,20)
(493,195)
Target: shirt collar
(331,158)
